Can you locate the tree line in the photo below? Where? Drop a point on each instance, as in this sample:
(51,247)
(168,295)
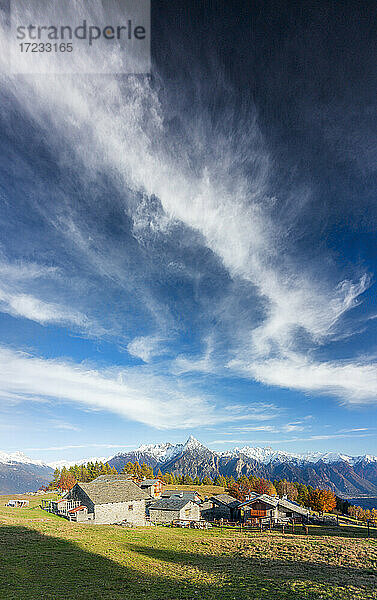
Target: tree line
(363,514)
(65,479)
(305,495)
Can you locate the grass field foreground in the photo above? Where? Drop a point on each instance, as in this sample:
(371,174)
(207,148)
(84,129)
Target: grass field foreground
(44,557)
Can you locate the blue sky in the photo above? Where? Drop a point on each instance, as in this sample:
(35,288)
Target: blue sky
(194,253)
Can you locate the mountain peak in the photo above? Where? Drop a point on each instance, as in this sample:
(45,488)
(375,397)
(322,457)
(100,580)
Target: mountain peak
(192,443)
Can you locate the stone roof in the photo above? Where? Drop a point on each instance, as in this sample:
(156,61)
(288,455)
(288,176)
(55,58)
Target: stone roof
(148,482)
(271,500)
(172,503)
(226,499)
(292,506)
(104,492)
(187,494)
(111,477)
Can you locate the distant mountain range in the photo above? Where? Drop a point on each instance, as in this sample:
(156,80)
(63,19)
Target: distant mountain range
(347,476)
(19,473)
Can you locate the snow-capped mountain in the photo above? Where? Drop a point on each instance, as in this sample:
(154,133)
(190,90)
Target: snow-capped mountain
(268,455)
(59,464)
(346,475)
(19,457)
(20,473)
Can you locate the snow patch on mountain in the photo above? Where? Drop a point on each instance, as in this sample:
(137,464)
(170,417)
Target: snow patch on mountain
(59,464)
(19,457)
(269,455)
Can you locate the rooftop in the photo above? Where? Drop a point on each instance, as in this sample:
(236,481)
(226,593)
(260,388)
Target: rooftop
(148,482)
(172,503)
(271,500)
(226,499)
(105,492)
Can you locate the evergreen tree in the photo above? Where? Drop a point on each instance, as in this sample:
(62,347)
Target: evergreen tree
(220,480)
(207,481)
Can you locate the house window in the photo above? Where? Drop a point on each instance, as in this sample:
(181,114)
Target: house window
(130,507)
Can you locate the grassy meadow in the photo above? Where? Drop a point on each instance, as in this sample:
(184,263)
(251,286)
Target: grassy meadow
(44,557)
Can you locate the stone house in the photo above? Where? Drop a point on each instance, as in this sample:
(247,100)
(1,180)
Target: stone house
(108,500)
(79,514)
(220,506)
(172,509)
(153,487)
(271,508)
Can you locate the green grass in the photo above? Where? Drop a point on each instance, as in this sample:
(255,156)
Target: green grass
(44,557)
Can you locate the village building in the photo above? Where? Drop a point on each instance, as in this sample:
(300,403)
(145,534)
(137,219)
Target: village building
(220,506)
(107,500)
(271,508)
(17,503)
(172,509)
(153,487)
(192,495)
(60,507)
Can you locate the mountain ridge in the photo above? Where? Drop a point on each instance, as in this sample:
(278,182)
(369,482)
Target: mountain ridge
(346,475)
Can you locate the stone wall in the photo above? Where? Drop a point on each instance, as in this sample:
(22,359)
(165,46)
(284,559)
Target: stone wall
(132,511)
(163,516)
(189,512)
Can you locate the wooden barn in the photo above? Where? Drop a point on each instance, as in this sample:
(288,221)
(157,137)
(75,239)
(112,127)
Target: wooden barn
(271,508)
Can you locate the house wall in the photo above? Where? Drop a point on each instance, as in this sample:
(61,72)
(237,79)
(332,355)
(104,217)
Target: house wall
(270,511)
(82,516)
(189,512)
(206,510)
(163,516)
(77,493)
(220,511)
(115,512)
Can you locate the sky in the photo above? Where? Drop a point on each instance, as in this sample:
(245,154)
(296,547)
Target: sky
(194,252)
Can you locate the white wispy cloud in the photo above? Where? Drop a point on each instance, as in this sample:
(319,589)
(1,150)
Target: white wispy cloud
(144,347)
(309,438)
(23,270)
(136,394)
(121,131)
(64,425)
(203,364)
(353,382)
(29,307)
(74,446)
